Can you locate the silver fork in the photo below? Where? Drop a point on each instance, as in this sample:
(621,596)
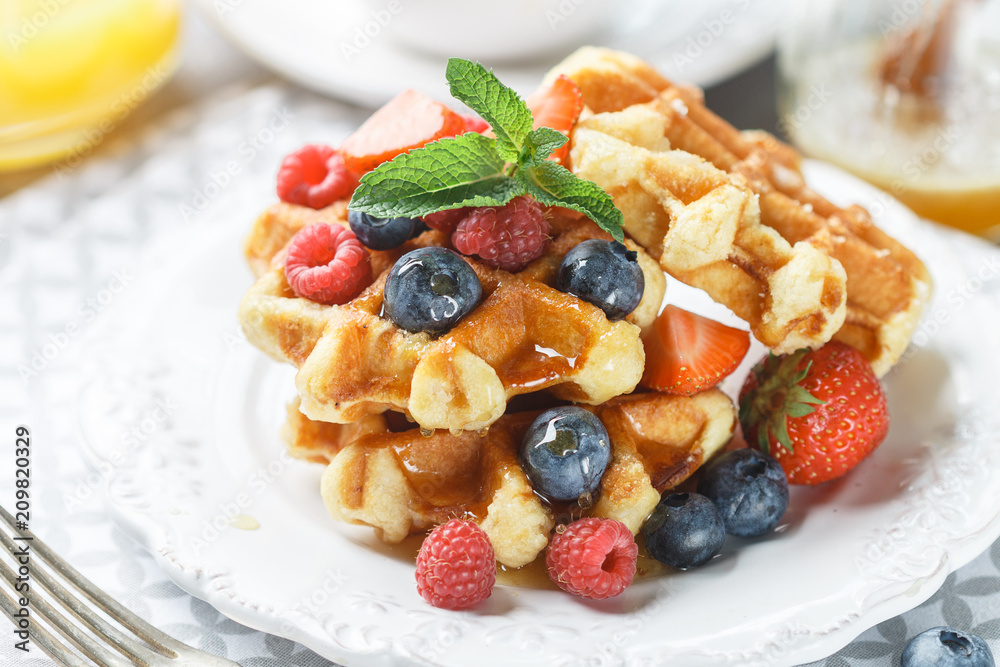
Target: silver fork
(105,644)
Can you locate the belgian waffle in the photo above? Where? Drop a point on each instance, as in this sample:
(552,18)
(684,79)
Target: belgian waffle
(886,285)
(524,336)
(401,482)
(704,228)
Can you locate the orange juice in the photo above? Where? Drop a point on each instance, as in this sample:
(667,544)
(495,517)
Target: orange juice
(70,70)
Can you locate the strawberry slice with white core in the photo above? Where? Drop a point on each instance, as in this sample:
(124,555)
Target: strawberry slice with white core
(409,120)
(558,107)
(687,353)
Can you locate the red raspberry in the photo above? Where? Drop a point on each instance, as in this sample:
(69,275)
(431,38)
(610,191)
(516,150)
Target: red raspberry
(508,237)
(446,221)
(593,558)
(327,264)
(314,176)
(456,566)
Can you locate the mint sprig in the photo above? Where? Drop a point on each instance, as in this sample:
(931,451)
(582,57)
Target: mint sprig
(475,170)
(498,105)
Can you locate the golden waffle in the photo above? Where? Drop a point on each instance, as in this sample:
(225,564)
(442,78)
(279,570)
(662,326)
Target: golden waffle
(704,228)
(886,284)
(524,336)
(405,482)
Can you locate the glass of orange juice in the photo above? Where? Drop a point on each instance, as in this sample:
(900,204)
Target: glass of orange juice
(904,93)
(71,70)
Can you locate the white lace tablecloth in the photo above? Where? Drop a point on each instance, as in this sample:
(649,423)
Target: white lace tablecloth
(68,245)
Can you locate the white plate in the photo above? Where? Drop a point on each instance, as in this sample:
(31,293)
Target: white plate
(188,414)
(305,40)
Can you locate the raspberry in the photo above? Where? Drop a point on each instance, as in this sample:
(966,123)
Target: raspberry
(456,566)
(446,221)
(593,558)
(327,264)
(508,237)
(314,176)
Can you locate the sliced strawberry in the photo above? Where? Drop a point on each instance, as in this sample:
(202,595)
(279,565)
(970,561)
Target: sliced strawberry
(408,121)
(558,107)
(688,353)
(474,123)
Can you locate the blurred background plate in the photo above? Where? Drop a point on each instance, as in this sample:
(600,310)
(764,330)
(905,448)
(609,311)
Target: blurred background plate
(357,49)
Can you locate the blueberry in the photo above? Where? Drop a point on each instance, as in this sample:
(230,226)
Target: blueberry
(430,289)
(565,452)
(684,530)
(605,274)
(946,647)
(381,233)
(750,490)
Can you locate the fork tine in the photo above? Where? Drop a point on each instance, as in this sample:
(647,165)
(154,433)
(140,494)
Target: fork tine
(88,617)
(92,649)
(158,640)
(43,638)
(164,648)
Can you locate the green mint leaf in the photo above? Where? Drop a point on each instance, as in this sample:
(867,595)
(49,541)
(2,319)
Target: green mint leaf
(554,185)
(501,107)
(539,144)
(444,174)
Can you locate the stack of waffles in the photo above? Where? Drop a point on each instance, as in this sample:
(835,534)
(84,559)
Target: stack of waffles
(416,429)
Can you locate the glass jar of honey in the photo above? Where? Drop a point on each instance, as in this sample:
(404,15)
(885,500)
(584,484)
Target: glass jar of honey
(905,94)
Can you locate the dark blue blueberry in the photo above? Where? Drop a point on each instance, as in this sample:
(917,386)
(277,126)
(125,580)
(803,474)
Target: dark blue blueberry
(381,233)
(430,289)
(946,647)
(604,273)
(684,530)
(750,490)
(565,452)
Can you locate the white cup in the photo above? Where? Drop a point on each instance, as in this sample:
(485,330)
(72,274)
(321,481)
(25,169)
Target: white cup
(496,31)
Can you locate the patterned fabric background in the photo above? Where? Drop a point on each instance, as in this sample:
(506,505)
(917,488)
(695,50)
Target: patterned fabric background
(64,240)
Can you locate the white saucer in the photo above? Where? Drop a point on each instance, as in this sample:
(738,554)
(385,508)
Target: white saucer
(315,42)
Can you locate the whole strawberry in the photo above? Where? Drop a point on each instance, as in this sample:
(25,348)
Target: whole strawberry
(818,412)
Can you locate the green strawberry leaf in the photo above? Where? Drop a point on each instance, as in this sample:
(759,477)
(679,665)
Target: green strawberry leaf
(498,105)
(554,185)
(779,427)
(539,144)
(777,397)
(445,174)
